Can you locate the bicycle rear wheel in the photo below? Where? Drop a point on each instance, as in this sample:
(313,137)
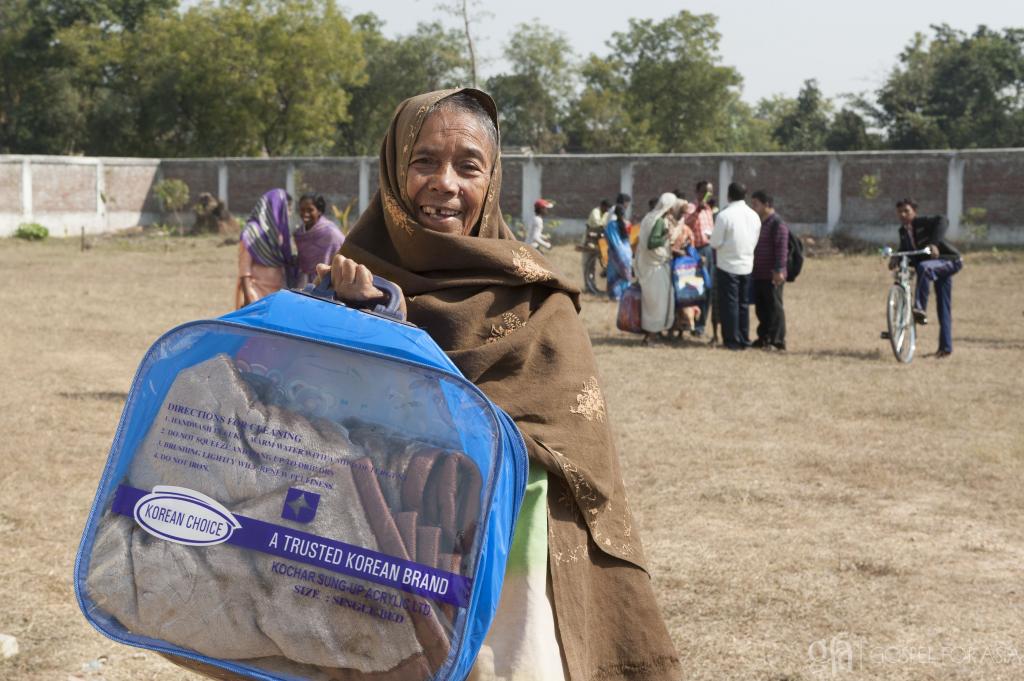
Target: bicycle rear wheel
(900,318)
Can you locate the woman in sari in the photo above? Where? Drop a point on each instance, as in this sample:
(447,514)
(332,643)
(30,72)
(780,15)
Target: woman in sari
(653,269)
(318,239)
(577,602)
(265,260)
(620,255)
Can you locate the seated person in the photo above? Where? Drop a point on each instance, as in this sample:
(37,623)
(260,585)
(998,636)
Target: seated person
(918,232)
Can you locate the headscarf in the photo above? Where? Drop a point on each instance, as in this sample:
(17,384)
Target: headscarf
(657,256)
(318,244)
(511,325)
(267,235)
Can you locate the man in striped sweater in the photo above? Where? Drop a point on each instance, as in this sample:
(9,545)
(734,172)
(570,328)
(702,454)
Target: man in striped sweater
(769,274)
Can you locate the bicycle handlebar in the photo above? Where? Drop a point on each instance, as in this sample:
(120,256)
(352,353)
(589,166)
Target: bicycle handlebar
(887,252)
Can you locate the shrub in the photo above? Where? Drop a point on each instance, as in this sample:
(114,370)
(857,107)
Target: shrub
(173,197)
(31,231)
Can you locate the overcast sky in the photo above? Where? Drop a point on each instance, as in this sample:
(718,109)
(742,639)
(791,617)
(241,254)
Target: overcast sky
(848,46)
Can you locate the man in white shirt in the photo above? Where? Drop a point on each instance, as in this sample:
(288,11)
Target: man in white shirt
(535,228)
(734,238)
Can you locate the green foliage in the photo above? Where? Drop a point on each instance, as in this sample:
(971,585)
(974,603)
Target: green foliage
(31,231)
(673,80)
(44,107)
(344,216)
(956,90)
(173,197)
(870,186)
(534,98)
(296,77)
(974,222)
(603,119)
(236,78)
(849,132)
(428,59)
(804,126)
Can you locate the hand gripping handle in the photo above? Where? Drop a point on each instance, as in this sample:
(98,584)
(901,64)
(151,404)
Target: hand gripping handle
(391,307)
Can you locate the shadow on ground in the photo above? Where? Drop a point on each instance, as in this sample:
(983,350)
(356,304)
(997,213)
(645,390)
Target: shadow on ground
(100,395)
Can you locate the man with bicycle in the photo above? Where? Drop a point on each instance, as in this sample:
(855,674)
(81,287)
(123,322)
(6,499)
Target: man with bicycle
(939,267)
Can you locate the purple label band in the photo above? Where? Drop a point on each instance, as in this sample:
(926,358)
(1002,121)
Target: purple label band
(329,554)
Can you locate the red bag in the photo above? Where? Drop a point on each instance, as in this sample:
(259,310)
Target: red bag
(629,310)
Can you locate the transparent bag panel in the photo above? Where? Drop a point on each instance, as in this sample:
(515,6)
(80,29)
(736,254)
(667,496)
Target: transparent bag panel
(296,508)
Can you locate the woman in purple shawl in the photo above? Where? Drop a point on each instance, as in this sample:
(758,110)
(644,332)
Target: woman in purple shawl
(318,239)
(265,257)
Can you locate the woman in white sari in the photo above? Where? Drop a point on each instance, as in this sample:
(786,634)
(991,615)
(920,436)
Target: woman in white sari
(654,269)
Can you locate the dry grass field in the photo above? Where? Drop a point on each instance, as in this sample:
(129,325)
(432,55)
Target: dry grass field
(823,514)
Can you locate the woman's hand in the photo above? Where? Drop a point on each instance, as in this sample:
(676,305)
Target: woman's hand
(352,282)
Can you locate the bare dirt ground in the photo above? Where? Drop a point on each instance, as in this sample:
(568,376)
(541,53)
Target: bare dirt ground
(821,514)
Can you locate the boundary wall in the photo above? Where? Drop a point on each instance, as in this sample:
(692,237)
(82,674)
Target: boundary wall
(819,193)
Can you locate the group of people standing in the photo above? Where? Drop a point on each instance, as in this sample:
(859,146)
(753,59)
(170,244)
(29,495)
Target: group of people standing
(742,252)
(275,253)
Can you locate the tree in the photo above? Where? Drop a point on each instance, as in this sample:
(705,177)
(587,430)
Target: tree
(804,126)
(956,90)
(745,130)
(461,10)
(601,120)
(242,77)
(849,132)
(534,98)
(423,61)
(674,81)
(42,108)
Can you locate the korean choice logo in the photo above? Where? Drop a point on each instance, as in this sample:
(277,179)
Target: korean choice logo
(184,516)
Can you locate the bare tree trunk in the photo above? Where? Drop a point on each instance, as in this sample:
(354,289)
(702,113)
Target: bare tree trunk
(469,42)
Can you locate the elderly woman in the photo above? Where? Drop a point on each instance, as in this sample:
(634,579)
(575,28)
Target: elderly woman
(654,269)
(577,602)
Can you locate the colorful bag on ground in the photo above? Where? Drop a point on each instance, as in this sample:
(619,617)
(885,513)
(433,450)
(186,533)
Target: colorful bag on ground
(688,279)
(628,318)
(299,490)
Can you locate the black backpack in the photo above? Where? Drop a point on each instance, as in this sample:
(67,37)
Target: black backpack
(794,257)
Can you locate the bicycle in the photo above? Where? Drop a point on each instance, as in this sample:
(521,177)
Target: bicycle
(899,309)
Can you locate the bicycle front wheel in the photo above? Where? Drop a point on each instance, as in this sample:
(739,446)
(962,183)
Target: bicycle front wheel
(592,273)
(900,318)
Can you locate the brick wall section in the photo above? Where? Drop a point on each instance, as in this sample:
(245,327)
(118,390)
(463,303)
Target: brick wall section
(200,176)
(129,188)
(923,178)
(995,182)
(798,183)
(511,198)
(10,187)
(249,180)
(337,180)
(652,177)
(576,185)
(63,188)
(992,180)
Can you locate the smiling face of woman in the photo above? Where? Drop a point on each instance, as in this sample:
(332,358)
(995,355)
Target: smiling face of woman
(450,170)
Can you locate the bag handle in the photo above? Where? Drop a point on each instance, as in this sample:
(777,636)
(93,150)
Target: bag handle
(391,307)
